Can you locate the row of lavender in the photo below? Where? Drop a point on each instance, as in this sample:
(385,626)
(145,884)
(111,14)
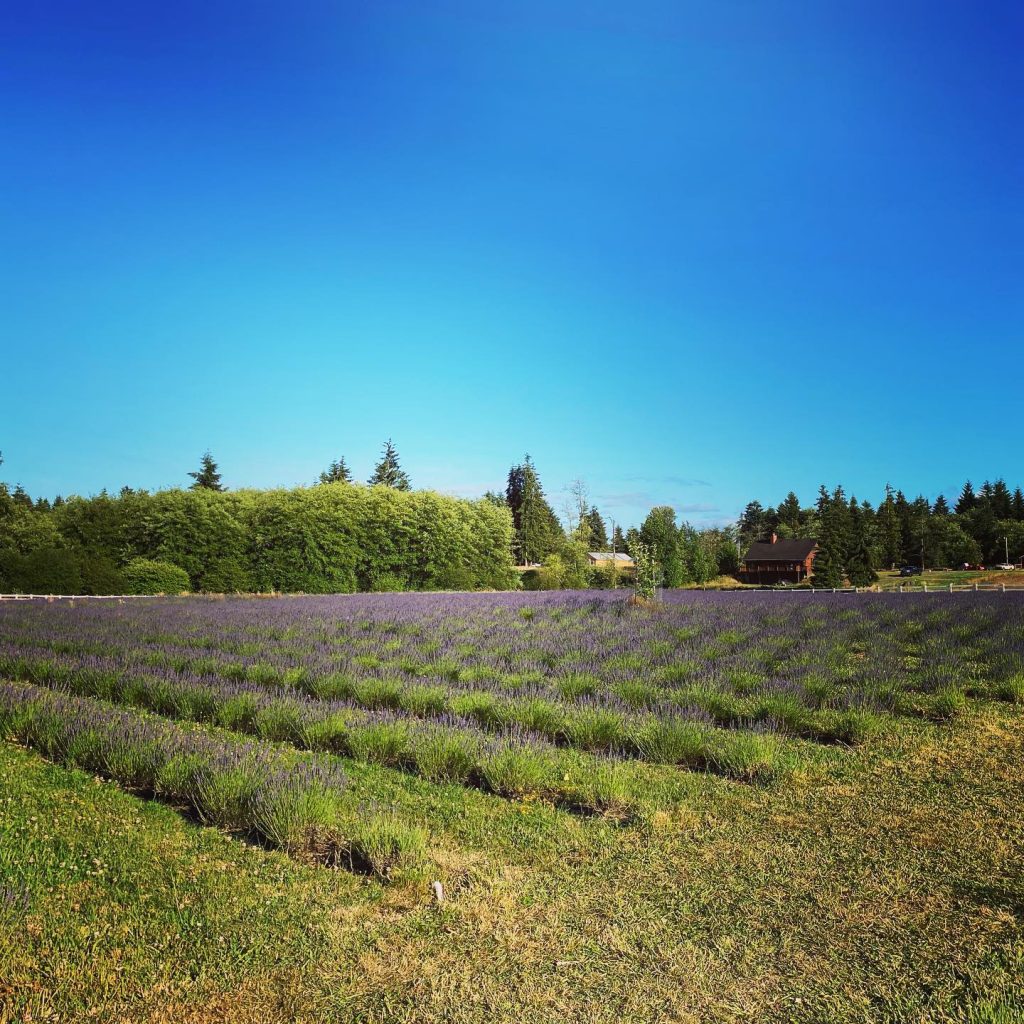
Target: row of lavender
(294,803)
(740,658)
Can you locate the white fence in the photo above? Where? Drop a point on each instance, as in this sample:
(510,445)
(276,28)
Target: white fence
(924,588)
(68,597)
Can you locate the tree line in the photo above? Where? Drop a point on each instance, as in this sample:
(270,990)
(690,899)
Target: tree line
(555,550)
(334,536)
(337,535)
(855,539)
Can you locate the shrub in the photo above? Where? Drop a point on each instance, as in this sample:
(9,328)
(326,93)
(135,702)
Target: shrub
(227,575)
(601,787)
(444,756)
(425,700)
(947,703)
(516,770)
(143,576)
(44,571)
(753,757)
(595,729)
(1011,690)
(101,575)
(382,845)
(578,684)
(672,741)
(539,715)
(293,806)
(379,742)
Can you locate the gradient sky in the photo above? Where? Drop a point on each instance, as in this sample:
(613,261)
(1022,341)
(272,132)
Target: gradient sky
(693,253)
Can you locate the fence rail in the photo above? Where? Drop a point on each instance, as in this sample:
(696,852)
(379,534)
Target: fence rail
(69,597)
(924,588)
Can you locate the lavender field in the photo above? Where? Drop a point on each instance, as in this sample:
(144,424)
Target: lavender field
(397,739)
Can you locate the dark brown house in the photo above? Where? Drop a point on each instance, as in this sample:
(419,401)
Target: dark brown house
(779,561)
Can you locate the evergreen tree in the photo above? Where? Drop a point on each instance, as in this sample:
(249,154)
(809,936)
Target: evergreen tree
(917,542)
(889,536)
(207,477)
(941,507)
(967,499)
(20,497)
(618,539)
(753,523)
(1017,506)
(789,517)
(338,473)
(537,530)
(1002,500)
(905,514)
(859,562)
(598,532)
(981,524)
(387,472)
(841,526)
(828,562)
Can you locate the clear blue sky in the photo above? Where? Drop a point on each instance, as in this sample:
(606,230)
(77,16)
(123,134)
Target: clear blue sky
(693,253)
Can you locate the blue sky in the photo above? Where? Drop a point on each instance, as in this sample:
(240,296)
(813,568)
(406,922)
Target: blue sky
(692,253)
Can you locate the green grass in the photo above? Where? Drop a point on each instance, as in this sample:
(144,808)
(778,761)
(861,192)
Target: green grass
(880,884)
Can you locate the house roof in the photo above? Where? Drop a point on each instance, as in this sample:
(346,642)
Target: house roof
(608,556)
(780,551)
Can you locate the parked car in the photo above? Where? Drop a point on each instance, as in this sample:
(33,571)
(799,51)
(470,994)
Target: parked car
(910,570)
(1005,565)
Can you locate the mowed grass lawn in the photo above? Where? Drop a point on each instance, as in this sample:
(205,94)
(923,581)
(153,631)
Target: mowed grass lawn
(877,882)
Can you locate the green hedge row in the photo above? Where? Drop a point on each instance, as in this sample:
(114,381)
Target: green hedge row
(324,539)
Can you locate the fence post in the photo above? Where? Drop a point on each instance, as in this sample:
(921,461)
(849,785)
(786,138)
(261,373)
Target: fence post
(925,585)
(975,587)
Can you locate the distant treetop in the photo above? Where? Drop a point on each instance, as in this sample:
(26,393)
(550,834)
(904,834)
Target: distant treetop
(207,477)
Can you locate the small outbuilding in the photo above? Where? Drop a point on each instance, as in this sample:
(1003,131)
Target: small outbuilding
(602,559)
(779,561)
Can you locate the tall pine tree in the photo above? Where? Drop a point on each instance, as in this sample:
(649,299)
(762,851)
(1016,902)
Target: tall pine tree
(789,516)
(387,472)
(1017,505)
(859,560)
(828,562)
(207,477)
(967,499)
(890,543)
(538,532)
(337,473)
(598,532)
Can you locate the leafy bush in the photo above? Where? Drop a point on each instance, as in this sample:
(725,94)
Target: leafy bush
(383,845)
(143,576)
(101,575)
(43,571)
(226,576)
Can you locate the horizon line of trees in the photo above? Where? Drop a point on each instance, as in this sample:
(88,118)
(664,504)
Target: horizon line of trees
(855,539)
(329,538)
